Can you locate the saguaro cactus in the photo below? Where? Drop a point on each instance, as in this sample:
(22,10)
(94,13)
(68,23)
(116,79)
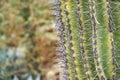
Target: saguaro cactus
(89,39)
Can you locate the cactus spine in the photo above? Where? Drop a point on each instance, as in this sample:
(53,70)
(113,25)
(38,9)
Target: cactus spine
(89,41)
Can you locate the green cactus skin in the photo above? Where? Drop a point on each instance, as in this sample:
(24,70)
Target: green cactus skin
(68,45)
(103,38)
(115,7)
(94,21)
(84,36)
(89,31)
(73,17)
(61,32)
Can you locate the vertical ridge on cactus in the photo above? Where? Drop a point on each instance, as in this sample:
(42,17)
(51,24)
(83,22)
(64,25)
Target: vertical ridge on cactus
(115,7)
(68,45)
(73,17)
(97,59)
(104,38)
(111,26)
(83,37)
(61,29)
(89,36)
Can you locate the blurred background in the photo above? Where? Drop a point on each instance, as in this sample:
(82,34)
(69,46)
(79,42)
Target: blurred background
(27,41)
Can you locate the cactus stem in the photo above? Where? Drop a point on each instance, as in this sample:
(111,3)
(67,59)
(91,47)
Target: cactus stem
(89,39)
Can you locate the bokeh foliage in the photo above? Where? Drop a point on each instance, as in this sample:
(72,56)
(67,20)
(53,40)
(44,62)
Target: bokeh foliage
(25,34)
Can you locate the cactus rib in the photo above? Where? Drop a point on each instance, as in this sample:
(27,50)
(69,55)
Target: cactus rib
(84,55)
(60,25)
(98,64)
(75,37)
(115,7)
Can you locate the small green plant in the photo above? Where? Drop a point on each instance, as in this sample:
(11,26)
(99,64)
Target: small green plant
(89,39)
